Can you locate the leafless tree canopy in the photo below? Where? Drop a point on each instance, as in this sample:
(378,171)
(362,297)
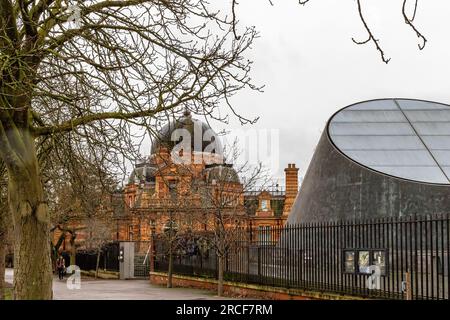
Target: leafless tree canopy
(76,76)
(116,64)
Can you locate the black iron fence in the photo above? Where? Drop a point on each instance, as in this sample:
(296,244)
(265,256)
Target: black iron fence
(394,258)
(87,259)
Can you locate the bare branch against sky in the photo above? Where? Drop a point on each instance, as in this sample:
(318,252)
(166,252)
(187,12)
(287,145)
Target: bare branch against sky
(310,67)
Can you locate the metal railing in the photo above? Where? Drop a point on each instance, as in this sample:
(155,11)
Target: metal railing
(394,258)
(87,260)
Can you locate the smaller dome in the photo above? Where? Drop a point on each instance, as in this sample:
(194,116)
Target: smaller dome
(143,172)
(221,173)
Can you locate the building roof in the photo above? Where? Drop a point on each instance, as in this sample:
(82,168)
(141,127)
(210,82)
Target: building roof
(201,138)
(404,138)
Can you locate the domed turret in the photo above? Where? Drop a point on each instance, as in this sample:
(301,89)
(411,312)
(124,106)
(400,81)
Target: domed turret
(187,130)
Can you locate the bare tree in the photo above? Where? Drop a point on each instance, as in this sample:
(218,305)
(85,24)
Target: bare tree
(64,178)
(223,211)
(98,235)
(84,192)
(181,203)
(140,59)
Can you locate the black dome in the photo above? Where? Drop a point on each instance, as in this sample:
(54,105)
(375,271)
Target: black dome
(169,136)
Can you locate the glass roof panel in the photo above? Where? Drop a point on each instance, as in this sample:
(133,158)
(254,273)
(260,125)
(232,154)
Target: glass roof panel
(387,142)
(404,138)
(370,116)
(432,128)
(341,128)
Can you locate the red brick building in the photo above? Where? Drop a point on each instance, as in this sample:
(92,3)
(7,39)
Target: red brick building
(173,184)
(148,194)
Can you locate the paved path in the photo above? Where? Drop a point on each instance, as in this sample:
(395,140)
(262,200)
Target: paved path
(92,289)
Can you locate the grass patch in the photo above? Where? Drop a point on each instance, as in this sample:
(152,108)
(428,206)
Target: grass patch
(8,293)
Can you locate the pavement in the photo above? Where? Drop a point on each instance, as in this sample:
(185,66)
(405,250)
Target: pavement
(92,289)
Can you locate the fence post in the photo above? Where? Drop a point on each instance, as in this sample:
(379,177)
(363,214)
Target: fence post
(259,261)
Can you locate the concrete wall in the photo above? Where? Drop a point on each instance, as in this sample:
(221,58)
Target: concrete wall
(337,188)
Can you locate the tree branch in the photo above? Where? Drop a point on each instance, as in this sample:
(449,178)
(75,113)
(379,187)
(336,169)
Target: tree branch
(409,22)
(371,36)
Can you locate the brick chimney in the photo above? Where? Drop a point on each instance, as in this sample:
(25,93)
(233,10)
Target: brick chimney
(291,187)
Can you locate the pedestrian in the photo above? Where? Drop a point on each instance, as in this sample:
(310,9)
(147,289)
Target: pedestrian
(60,267)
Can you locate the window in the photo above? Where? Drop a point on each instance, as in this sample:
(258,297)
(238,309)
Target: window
(277,207)
(130,233)
(173,189)
(264,205)
(131,201)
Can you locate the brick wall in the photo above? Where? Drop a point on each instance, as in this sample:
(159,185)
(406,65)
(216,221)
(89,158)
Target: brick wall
(236,291)
(241,290)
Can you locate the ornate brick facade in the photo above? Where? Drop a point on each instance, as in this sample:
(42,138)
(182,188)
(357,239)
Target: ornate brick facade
(162,188)
(148,195)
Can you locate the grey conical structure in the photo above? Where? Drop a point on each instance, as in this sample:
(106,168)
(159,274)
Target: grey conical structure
(379,158)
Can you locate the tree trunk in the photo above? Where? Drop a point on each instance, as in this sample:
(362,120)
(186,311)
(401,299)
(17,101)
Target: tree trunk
(220,276)
(2,261)
(4,218)
(73,251)
(98,263)
(170,271)
(32,250)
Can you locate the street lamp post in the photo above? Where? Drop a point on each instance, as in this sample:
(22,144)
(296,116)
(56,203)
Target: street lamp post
(152,245)
(170,271)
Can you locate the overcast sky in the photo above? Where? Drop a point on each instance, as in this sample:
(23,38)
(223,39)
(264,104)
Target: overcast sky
(311,68)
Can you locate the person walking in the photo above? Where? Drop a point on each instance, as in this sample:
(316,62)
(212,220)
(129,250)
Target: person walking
(60,267)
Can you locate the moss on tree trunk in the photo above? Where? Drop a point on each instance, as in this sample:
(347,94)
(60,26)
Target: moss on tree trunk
(2,261)
(32,250)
